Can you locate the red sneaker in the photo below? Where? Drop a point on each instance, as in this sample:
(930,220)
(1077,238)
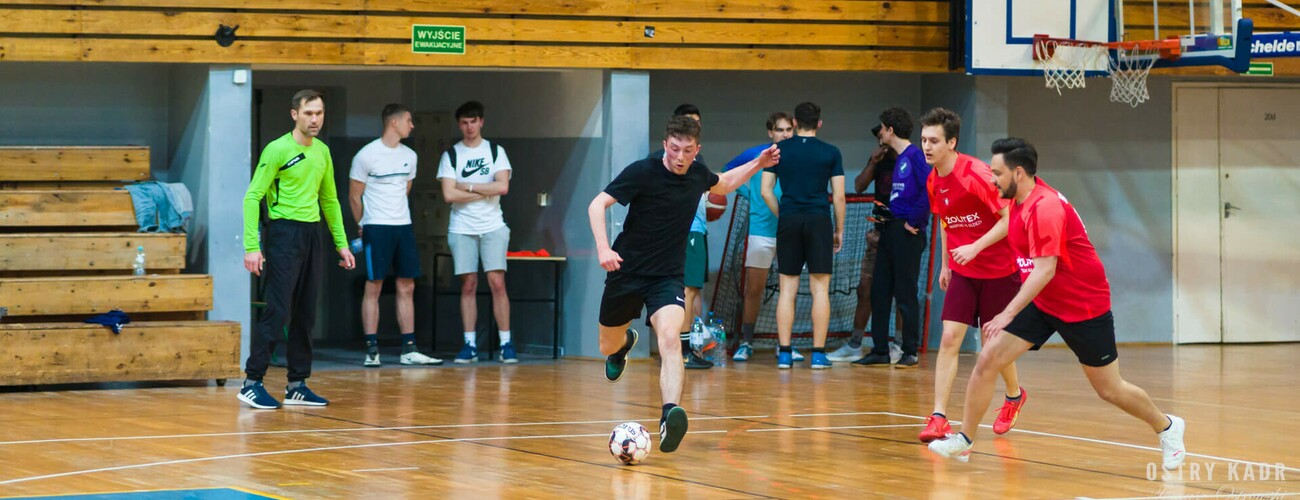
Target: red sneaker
(936,427)
(1009,413)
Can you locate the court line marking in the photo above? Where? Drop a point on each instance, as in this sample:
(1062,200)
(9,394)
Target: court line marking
(386,469)
(1115,443)
(840,414)
(355,429)
(308,450)
(793,429)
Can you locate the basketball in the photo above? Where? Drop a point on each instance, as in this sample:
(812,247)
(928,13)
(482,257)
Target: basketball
(715,206)
(630,443)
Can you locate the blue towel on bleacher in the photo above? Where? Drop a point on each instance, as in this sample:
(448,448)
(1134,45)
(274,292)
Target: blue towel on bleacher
(113,319)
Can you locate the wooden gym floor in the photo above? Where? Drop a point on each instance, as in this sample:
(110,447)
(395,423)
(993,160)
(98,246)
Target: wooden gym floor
(540,430)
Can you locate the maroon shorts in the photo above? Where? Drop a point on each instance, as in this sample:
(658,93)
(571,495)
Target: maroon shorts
(972,300)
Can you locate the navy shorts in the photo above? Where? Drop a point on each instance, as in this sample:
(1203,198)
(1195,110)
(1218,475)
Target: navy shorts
(390,248)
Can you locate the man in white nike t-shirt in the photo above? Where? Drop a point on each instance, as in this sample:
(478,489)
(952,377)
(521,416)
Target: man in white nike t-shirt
(475,174)
(380,179)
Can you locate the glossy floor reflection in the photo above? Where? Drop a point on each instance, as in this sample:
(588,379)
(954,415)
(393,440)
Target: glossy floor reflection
(540,431)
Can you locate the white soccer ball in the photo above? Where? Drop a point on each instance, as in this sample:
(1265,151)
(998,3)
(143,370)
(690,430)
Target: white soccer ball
(630,443)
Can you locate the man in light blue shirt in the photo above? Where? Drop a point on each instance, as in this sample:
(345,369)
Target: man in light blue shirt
(760,247)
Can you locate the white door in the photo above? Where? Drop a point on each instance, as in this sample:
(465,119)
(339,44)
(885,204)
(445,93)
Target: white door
(1259,192)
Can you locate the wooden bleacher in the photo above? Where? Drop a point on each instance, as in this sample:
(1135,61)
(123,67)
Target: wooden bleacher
(67,243)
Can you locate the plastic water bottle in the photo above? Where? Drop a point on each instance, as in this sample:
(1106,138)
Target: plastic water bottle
(719,353)
(697,335)
(355,246)
(138,264)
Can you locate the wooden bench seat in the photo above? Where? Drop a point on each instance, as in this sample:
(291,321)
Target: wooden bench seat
(64,353)
(75,252)
(24,208)
(74,163)
(74,295)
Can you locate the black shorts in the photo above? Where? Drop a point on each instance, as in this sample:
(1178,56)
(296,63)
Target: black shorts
(625,295)
(390,248)
(1092,340)
(804,238)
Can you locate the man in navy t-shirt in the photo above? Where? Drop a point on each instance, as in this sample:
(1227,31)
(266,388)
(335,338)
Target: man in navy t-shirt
(804,233)
(902,241)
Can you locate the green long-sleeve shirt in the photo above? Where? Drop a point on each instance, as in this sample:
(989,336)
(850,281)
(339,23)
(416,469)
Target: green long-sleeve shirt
(298,184)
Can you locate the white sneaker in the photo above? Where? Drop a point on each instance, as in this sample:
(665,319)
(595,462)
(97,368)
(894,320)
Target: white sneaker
(845,353)
(372,360)
(417,358)
(743,352)
(1171,443)
(895,353)
(952,446)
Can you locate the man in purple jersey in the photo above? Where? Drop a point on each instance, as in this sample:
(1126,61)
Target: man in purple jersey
(902,241)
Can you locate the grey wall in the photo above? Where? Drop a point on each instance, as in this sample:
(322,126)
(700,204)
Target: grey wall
(1112,161)
(86,104)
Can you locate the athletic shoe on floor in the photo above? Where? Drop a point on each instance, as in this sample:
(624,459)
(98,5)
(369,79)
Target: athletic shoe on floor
(303,396)
(1171,443)
(255,395)
(372,360)
(936,427)
(468,354)
(508,354)
(1009,413)
(695,362)
(743,352)
(819,361)
(873,359)
(952,446)
(895,352)
(908,361)
(795,355)
(416,358)
(672,430)
(616,364)
(845,354)
(783,360)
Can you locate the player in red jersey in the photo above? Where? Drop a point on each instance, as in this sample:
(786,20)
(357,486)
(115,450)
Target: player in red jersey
(1064,291)
(979,274)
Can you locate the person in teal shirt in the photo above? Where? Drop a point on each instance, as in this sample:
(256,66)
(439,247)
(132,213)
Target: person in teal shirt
(295,175)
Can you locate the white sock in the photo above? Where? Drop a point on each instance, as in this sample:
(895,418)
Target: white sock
(505,336)
(469,339)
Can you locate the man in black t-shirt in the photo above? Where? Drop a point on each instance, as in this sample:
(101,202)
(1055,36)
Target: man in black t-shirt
(647,260)
(804,233)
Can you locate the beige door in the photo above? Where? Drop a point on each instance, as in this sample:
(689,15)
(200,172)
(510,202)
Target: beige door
(1259,190)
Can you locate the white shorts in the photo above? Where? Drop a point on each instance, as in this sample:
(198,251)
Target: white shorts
(468,249)
(759,252)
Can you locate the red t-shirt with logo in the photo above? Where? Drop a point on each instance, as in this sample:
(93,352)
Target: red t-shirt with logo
(1046,225)
(967,204)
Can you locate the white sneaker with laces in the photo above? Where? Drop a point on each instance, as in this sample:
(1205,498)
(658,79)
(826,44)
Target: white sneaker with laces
(952,446)
(743,352)
(1171,443)
(895,352)
(372,360)
(417,358)
(845,353)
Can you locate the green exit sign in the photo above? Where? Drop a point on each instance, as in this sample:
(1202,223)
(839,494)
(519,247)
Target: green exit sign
(1261,68)
(426,39)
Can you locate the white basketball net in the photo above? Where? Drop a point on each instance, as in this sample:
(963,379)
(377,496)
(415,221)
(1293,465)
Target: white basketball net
(1065,65)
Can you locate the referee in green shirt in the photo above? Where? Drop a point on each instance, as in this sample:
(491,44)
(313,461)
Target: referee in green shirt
(296,176)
